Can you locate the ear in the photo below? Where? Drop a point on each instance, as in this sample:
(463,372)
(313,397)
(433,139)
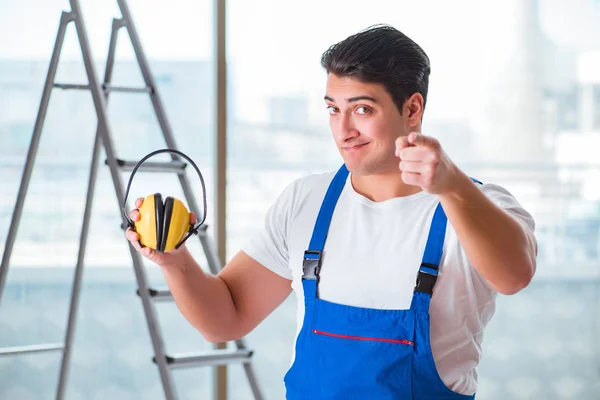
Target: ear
(413,109)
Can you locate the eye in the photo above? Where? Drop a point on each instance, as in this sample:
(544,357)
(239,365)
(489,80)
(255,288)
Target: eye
(363,110)
(332,109)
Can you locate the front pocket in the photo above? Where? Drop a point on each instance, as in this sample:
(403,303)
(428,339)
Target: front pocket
(363,338)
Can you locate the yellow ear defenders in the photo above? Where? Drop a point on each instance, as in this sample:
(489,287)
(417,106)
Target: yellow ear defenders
(164,226)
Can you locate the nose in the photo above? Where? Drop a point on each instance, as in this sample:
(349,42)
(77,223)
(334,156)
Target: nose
(345,128)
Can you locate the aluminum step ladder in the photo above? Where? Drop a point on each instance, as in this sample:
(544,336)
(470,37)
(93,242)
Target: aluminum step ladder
(100,92)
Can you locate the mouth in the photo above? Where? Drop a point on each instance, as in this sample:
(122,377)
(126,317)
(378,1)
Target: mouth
(355,147)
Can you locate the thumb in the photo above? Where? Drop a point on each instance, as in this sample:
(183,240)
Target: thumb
(193,218)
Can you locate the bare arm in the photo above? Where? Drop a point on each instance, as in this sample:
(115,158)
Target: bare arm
(223,307)
(496,243)
(230,305)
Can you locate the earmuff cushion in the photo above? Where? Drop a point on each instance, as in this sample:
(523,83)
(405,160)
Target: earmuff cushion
(179,225)
(159,212)
(146,226)
(166,222)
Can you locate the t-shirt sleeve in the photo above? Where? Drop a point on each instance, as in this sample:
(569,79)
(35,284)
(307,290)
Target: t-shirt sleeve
(269,246)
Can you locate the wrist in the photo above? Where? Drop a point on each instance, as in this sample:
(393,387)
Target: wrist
(178,260)
(459,187)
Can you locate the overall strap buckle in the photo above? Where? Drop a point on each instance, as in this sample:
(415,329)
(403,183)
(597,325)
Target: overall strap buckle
(311,265)
(426,278)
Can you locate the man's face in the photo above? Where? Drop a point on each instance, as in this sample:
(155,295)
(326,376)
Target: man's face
(365,123)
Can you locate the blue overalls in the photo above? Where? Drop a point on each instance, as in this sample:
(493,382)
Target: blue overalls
(346,352)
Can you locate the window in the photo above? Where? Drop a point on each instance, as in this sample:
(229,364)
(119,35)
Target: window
(112,355)
(597,107)
(503,101)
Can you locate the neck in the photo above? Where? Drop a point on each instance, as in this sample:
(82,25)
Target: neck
(382,186)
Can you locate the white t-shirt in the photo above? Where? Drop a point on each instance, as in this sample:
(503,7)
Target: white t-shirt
(371,259)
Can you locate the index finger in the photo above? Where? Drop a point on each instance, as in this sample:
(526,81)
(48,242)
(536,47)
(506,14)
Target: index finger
(401,143)
(418,139)
(139,202)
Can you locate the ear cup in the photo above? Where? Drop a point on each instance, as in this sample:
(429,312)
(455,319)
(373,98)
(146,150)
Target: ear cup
(158,215)
(179,224)
(146,227)
(166,222)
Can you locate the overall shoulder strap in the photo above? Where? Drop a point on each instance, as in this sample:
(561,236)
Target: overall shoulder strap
(428,271)
(312,257)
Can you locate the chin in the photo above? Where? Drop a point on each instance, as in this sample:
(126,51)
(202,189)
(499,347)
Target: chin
(366,168)
(360,168)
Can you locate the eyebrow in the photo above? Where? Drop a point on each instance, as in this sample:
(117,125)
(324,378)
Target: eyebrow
(354,99)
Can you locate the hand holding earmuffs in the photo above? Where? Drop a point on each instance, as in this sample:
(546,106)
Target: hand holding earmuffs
(158,228)
(148,252)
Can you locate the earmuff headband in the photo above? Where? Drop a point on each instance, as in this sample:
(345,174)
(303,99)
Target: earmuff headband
(200,221)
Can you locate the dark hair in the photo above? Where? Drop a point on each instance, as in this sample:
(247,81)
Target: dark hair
(381,54)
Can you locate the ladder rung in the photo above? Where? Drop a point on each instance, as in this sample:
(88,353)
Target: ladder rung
(113,88)
(71,86)
(158,294)
(32,348)
(169,166)
(212,358)
(107,87)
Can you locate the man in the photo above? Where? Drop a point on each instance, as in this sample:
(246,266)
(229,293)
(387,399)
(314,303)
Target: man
(396,258)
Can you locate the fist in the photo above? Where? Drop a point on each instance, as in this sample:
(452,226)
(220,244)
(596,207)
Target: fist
(423,163)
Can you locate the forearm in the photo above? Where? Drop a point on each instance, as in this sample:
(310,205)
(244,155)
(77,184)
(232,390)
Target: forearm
(203,299)
(495,243)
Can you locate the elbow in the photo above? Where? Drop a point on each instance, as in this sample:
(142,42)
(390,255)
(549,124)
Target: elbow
(512,288)
(517,281)
(220,337)
(216,338)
